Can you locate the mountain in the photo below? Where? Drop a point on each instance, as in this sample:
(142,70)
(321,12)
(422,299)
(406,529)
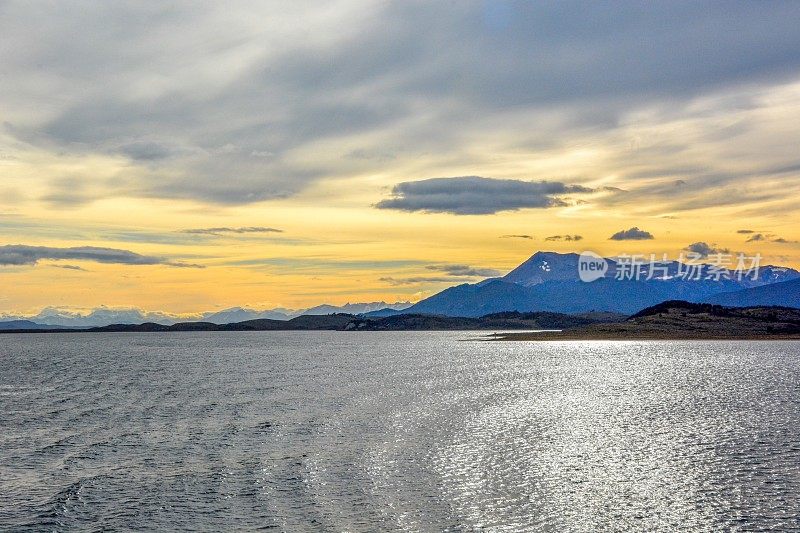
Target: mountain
(386,311)
(549,281)
(558,296)
(542,267)
(786,294)
(770,274)
(355,309)
(66,318)
(103,316)
(10,325)
(473,300)
(239,314)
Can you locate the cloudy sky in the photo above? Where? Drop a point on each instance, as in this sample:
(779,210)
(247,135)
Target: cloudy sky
(195,156)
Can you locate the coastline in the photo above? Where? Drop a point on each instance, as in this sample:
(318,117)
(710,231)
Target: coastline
(644,336)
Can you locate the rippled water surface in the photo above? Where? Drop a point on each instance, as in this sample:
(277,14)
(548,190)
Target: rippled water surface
(301,431)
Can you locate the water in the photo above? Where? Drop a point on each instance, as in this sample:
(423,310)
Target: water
(330,431)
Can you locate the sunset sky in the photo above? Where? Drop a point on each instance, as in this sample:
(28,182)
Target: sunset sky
(197,156)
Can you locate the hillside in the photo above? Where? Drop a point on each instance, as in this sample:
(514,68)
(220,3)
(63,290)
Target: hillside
(786,294)
(8,325)
(505,320)
(685,320)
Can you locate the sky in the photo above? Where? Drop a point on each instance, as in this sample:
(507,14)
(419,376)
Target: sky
(194,156)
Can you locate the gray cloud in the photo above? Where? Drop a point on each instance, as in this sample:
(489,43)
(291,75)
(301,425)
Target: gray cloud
(70,267)
(376,155)
(318,264)
(768,237)
(69,192)
(704,249)
(707,188)
(19,254)
(145,150)
(453,274)
(564,238)
(223,230)
(475,195)
(633,234)
(465,270)
(417,76)
(745,231)
(520,236)
(421,280)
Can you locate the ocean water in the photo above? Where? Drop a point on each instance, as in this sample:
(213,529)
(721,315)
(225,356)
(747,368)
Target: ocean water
(411,431)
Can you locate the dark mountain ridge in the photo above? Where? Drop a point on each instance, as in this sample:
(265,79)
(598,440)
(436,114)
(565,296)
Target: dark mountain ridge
(20,324)
(675,320)
(786,294)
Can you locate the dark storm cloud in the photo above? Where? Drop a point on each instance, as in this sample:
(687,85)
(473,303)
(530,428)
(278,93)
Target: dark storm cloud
(633,234)
(19,255)
(416,280)
(224,230)
(703,249)
(474,195)
(226,83)
(519,236)
(768,237)
(70,267)
(564,238)
(465,270)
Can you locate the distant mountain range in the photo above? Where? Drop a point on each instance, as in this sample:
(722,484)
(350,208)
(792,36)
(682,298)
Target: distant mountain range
(347,322)
(549,281)
(10,325)
(54,317)
(239,314)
